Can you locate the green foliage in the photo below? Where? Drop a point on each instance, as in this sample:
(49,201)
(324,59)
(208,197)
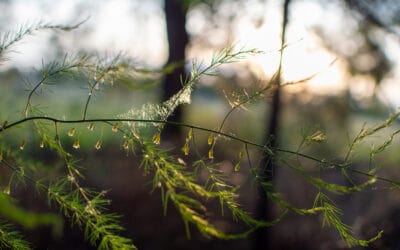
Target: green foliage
(27,219)
(179,181)
(11,239)
(8,39)
(331,217)
(87,209)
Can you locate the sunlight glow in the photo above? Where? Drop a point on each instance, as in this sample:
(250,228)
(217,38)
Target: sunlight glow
(138,28)
(131,27)
(389,92)
(304,56)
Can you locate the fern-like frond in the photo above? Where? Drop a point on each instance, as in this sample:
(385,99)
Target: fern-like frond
(12,239)
(99,226)
(9,38)
(331,216)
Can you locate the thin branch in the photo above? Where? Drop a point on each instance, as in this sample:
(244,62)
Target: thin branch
(217,132)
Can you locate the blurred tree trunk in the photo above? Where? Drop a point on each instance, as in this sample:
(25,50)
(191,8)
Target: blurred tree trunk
(267,170)
(175,15)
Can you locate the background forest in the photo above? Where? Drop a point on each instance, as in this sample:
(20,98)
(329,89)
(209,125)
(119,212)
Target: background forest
(258,124)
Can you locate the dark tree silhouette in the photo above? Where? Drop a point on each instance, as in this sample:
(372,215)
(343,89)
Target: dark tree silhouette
(267,169)
(175,15)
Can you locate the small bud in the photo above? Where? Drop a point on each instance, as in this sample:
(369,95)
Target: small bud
(185,149)
(22,145)
(76,144)
(71,178)
(157,138)
(210,139)
(98,145)
(237,166)
(90,209)
(90,126)
(126,145)
(211,153)
(41,145)
(115,127)
(71,132)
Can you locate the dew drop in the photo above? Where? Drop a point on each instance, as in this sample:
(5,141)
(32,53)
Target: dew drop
(241,154)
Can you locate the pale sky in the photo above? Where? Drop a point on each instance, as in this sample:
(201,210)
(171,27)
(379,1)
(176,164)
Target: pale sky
(139,30)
